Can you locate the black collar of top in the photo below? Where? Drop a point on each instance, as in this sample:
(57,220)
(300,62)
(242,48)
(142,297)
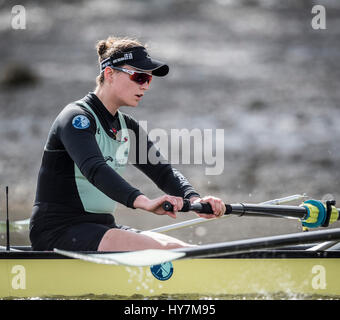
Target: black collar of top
(138,58)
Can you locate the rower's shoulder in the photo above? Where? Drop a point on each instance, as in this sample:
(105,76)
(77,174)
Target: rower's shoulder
(75,109)
(73,116)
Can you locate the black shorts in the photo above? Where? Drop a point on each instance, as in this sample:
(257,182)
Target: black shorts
(79,237)
(58,227)
(85,236)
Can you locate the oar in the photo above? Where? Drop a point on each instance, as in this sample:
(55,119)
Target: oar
(312,213)
(153,257)
(189,223)
(249,245)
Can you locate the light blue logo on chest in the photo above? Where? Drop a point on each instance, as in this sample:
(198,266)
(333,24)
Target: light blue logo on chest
(162,271)
(81,122)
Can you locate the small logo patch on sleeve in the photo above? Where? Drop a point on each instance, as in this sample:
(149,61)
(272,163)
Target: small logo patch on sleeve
(80,122)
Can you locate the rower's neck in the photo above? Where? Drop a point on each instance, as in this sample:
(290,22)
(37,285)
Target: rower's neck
(106,100)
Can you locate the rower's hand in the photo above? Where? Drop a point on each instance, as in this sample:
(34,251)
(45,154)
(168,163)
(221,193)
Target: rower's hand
(155,205)
(217,206)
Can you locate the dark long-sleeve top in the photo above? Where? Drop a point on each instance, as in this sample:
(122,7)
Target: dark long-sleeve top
(57,193)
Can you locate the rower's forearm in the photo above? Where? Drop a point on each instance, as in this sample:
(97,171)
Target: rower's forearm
(114,186)
(141,202)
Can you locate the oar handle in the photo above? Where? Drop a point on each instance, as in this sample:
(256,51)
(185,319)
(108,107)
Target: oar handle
(187,206)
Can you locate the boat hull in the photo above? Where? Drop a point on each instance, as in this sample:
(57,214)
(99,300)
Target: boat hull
(48,275)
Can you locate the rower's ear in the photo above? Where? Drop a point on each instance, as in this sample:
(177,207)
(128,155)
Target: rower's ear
(109,74)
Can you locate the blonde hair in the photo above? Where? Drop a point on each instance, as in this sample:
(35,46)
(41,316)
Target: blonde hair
(106,48)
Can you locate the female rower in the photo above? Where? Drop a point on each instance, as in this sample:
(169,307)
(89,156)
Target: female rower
(80,182)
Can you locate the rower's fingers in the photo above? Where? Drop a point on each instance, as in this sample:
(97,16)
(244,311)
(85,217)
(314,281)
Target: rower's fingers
(217,206)
(171,214)
(177,202)
(220,209)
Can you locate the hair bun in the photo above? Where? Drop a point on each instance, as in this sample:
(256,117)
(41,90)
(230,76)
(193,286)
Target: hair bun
(101,47)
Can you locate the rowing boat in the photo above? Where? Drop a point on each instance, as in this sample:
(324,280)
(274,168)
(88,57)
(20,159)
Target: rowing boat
(304,264)
(301,271)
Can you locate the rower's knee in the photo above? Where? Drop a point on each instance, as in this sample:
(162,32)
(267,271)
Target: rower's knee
(125,240)
(166,242)
(169,246)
